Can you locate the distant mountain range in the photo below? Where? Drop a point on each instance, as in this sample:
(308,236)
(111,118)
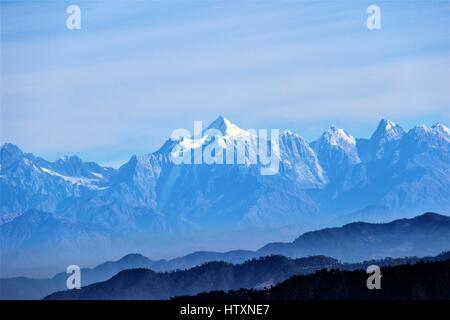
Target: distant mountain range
(80,208)
(425,235)
(145,284)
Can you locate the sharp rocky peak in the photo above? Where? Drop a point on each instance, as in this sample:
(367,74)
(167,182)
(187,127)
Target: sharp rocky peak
(387,130)
(227,128)
(336,136)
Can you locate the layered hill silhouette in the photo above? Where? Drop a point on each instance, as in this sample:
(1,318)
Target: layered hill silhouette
(258,273)
(147,284)
(424,235)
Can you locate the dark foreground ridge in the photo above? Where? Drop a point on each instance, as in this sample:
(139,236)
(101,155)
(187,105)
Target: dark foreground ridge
(421,281)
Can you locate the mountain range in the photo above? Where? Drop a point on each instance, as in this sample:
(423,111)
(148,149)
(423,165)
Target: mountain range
(74,210)
(424,235)
(145,284)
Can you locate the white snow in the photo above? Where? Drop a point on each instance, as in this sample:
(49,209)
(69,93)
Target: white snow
(442,131)
(336,137)
(387,131)
(390,125)
(233,131)
(31,164)
(230,133)
(188,143)
(90,183)
(98,175)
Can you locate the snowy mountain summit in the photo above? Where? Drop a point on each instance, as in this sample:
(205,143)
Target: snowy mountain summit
(228,129)
(222,188)
(223,142)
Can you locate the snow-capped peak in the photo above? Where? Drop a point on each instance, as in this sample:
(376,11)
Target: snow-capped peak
(441,131)
(387,124)
(222,130)
(387,130)
(421,130)
(336,149)
(336,137)
(438,131)
(227,128)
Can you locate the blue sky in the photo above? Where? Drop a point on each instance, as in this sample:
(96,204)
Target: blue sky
(137,70)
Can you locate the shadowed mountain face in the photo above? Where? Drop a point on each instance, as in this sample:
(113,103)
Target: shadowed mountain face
(262,273)
(97,211)
(428,234)
(421,281)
